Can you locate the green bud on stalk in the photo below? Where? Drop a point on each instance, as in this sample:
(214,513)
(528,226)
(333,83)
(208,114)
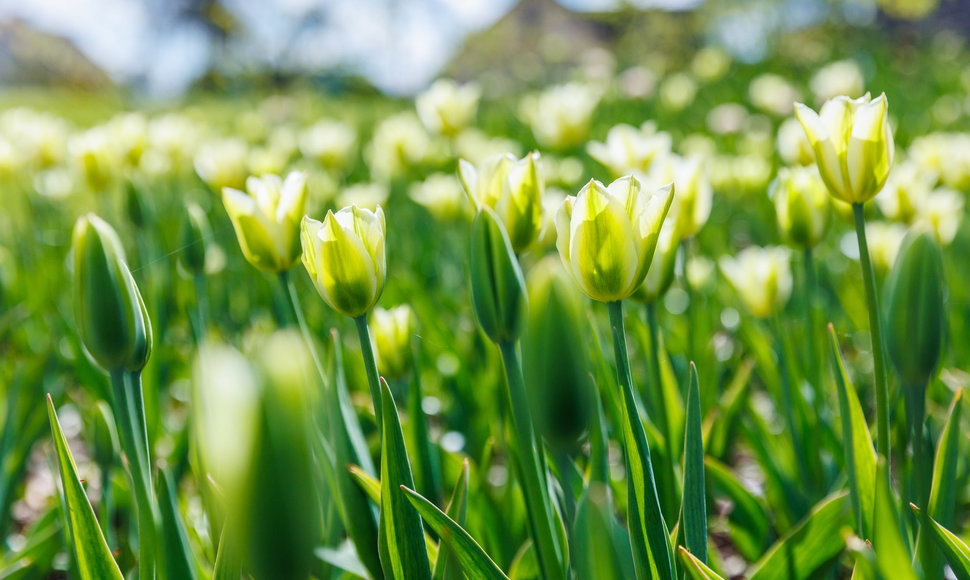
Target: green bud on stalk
(111,315)
(914,309)
(498,288)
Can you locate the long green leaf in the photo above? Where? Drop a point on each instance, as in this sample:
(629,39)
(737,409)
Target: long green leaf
(943,490)
(596,555)
(892,555)
(748,520)
(92,556)
(227,566)
(404,554)
(695,498)
(368,484)
(447,566)
(476,564)
(955,550)
(812,544)
(177,562)
(860,455)
(695,567)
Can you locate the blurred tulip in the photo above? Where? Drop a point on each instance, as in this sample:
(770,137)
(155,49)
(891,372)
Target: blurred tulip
(332,144)
(556,360)
(266,219)
(392,331)
(801,206)
(628,149)
(498,288)
(905,192)
(513,189)
(942,212)
(364,195)
(399,142)
(843,77)
(761,276)
(344,256)
(606,236)
(447,107)
(93,157)
(223,163)
(853,145)
(692,204)
(111,316)
(194,238)
(793,145)
(560,117)
(915,314)
(660,274)
(678,91)
(772,94)
(440,194)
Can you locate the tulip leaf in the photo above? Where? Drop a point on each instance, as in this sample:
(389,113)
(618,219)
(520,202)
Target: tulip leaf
(695,567)
(955,550)
(695,499)
(447,565)
(91,553)
(177,560)
(809,546)
(892,554)
(404,554)
(368,484)
(748,520)
(595,553)
(860,455)
(227,566)
(476,564)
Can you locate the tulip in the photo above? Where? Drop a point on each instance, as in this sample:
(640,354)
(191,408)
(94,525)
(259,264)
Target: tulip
(793,145)
(906,191)
(267,219)
(942,212)
(801,206)
(222,163)
(441,195)
(853,145)
(692,206)
(111,316)
(628,149)
(606,236)
(392,331)
(560,116)
(660,274)
(761,276)
(446,108)
(513,189)
(331,143)
(843,77)
(498,288)
(344,256)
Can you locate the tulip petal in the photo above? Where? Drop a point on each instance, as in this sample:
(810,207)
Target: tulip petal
(602,253)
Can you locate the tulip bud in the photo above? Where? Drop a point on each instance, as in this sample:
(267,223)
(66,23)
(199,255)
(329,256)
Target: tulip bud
(556,362)
(267,220)
(853,145)
(344,256)
(801,205)
(111,316)
(447,108)
(498,288)
(606,236)
(392,331)
(513,189)
(761,276)
(194,238)
(104,441)
(914,309)
(692,206)
(660,274)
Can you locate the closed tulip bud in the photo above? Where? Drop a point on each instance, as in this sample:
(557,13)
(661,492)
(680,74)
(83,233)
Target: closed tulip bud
(344,256)
(111,316)
(498,288)
(392,331)
(267,219)
(692,206)
(194,238)
(446,108)
(801,206)
(853,145)
(513,189)
(557,367)
(914,309)
(761,276)
(104,440)
(660,274)
(606,236)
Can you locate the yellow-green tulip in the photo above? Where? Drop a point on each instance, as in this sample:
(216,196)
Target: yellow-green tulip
(344,256)
(761,276)
(853,145)
(660,274)
(513,189)
(392,331)
(801,206)
(607,236)
(267,219)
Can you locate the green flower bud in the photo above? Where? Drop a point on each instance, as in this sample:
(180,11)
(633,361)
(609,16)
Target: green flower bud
(498,288)
(104,440)
(194,238)
(555,357)
(111,315)
(392,331)
(513,189)
(914,309)
(801,206)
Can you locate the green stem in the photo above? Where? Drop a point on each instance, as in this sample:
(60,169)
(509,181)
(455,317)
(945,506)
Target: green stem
(875,330)
(662,419)
(915,415)
(370,364)
(811,334)
(532,470)
(564,464)
(639,466)
(130,416)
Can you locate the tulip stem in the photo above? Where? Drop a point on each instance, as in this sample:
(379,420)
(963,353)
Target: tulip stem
(875,330)
(130,416)
(644,513)
(370,364)
(532,468)
(915,415)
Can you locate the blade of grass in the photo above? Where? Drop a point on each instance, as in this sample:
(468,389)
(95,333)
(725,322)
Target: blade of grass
(695,498)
